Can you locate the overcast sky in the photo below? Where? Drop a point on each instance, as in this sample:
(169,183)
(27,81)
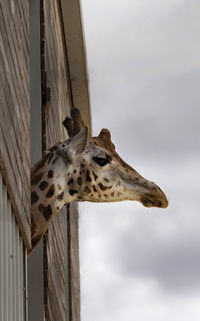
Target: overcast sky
(140,264)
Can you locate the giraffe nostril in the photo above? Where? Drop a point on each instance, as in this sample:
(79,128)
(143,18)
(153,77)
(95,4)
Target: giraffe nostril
(159,204)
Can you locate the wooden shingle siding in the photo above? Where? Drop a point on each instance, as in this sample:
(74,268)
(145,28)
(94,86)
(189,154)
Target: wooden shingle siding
(15,108)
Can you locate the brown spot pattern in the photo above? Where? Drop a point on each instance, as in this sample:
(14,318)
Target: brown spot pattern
(95,176)
(46,211)
(34,197)
(72,191)
(50,174)
(94,188)
(79,180)
(59,187)
(87,189)
(60,196)
(102,187)
(88,178)
(112,194)
(43,185)
(70,181)
(50,192)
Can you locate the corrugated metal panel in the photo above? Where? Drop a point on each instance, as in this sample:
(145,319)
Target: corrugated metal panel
(12,263)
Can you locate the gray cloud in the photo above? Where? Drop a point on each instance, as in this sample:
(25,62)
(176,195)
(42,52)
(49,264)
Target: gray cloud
(144,72)
(173,262)
(149,257)
(162,119)
(147,72)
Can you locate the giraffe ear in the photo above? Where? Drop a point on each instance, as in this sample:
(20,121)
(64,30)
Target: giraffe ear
(79,141)
(75,147)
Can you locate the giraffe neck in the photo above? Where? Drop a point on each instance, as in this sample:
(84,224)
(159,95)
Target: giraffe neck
(52,187)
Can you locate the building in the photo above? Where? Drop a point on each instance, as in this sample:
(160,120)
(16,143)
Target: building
(43,75)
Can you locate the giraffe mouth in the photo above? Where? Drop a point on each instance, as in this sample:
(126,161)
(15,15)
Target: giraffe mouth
(150,203)
(147,202)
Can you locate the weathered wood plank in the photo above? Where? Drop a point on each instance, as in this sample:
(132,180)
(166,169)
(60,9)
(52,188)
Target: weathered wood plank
(9,70)
(60,299)
(13,165)
(16,46)
(13,130)
(76,56)
(56,268)
(10,138)
(74,261)
(18,62)
(18,207)
(22,9)
(13,11)
(58,108)
(15,108)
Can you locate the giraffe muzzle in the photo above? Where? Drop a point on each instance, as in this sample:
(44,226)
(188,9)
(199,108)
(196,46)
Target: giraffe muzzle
(147,193)
(155,199)
(147,202)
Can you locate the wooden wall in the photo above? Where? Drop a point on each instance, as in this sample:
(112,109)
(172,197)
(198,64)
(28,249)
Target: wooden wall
(15,108)
(62,284)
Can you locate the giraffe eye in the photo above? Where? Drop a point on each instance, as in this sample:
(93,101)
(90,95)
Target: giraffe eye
(101,161)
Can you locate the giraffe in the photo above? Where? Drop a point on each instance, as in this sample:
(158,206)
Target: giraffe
(84,168)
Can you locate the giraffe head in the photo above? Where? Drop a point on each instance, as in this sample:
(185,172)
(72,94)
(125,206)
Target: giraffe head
(84,169)
(98,174)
